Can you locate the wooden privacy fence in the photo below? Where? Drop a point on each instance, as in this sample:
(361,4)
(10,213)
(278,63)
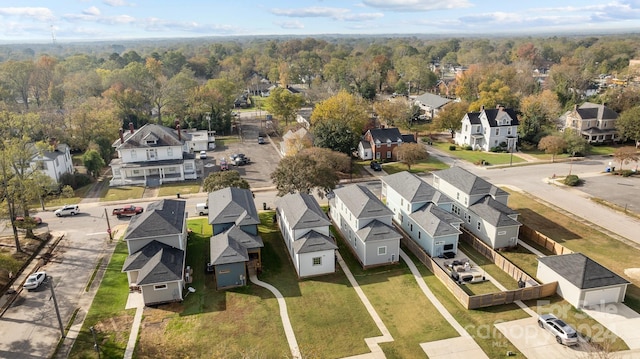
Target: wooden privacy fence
(531,235)
(503,263)
(483,300)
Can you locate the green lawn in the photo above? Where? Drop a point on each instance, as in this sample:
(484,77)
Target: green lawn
(396,297)
(431,164)
(524,259)
(478,156)
(122,193)
(186,187)
(107,315)
(78,195)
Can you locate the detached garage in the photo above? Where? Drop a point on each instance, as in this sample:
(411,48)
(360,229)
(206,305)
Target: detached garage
(582,281)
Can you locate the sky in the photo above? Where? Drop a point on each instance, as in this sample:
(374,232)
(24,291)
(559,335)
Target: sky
(40,21)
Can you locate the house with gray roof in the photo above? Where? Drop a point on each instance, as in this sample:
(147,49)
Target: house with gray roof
(582,281)
(423,212)
(379,144)
(152,155)
(230,207)
(431,104)
(156,241)
(231,253)
(295,141)
(595,122)
(305,230)
(53,161)
(481,206)
(366,225)
(489,128)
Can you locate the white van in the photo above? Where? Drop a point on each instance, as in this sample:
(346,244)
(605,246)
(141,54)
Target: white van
(202,209)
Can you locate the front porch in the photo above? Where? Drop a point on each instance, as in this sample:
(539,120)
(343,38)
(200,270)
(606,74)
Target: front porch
(151,175)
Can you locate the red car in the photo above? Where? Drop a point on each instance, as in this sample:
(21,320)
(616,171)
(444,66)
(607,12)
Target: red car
(37,220)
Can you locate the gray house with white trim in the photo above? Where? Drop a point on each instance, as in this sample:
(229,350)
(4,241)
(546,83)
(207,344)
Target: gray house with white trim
(582,281)
(156,240)
(481,206)
(423,212)
(305,230)
(366,225)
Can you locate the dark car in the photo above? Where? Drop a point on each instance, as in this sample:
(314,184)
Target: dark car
(260,140)
(375,165)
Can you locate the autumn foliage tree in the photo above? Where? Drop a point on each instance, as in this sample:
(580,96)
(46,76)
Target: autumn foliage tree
(303,173)
(450,118)
(411,153)
(224,179)
(553,145)
(342,107)
(625,155)
(628,125)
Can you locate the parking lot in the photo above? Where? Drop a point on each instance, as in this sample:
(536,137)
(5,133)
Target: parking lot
(264,157)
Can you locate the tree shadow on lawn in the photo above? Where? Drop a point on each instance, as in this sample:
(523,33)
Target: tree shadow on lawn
(546,226)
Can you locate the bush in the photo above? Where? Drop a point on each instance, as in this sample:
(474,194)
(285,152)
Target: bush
(75,180)
(469,148)
(452,148)
(627,173)
(572,180)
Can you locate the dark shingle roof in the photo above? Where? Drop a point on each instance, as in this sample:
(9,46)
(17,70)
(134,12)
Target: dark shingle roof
(582,271)
(414,189)
(436,221)
(313,242)
(361,202)
(302,211)
(408,139)
(156,263)
(474,118)
(235,233)
(60,150)
(164,136)
(596,111)
(377,231)
(224,250)
(232,205)
(493,114)
(385,134)
(163,217)
(468,182)
(494,212)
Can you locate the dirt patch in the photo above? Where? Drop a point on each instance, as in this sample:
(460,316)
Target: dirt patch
(633,273)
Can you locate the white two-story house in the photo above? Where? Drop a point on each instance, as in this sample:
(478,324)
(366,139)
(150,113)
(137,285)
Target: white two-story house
(152,155)
(366,225)
(489,128)
(305,230)
(423,212)
(481,206)
(54,162)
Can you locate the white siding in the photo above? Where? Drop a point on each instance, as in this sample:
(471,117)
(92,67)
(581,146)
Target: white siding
(307,267)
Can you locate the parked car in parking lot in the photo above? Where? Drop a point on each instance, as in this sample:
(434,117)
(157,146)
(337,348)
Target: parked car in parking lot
(239,159)
(34,280)
(67,210)
(563,332)
(224,166)
(203,155)
(260,140)
(375,165)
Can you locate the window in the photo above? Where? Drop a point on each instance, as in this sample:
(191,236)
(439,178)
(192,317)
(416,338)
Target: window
(116,172)
(465,128)
(377,155)
(458,196)
(388,154)
(419,234)
(502,233)
(136,172)
(317,261)
(188,166)
(133,154)
(478,224)
(411,227)
(377,145)
(402,201)
(160,287)
(508,130)
(448,247)
(169,151)
(497,131)
(388,143)
(224,271)
(382,250)
(401,219)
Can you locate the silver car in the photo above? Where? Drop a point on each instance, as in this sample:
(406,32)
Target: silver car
(67,210)
(563,332)
(34,280)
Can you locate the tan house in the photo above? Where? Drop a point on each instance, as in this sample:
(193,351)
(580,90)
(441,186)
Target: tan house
(595,122)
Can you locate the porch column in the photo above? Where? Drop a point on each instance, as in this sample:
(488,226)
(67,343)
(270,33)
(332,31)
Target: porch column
(182,172)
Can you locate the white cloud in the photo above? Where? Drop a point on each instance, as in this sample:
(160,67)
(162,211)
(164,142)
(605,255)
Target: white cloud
(417,5)
(331,12)
(37,13)
(92,11)
(290,24)
(117,3)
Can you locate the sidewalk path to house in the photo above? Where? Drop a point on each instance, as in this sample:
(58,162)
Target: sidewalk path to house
(458,347)
(286,323)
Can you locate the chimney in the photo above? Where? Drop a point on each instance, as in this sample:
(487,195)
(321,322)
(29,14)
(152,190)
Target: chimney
(179,132)
(481,108)
(131,127)
(121,136)
(575,107)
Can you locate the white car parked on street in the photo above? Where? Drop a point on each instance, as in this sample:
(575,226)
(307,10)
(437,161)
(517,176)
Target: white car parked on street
(34,280)
(67,210)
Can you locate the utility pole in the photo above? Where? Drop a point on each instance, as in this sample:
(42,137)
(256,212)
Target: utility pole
(108,225)
(95,341)
(55,305)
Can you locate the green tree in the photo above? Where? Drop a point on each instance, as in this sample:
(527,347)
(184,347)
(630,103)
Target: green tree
(450,118)
(342,107)
(625,155)
(339,161)
(41,185)
(538,113)
(335,135)
(576,144)
(302,173)
(93,162)
(224,179)
(411,153)
(553,145)
(628,125)
(494,93)
(283,104)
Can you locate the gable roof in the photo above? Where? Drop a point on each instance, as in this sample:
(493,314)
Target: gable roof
(493,114)
(432,100)
(156,262)
(164,136)
(313,241)
(235,233)
(436,221)
(232,205)
(297,134)
(594,111)
(377,231)
(385,134)
(224,250)
(414,189)
(494,212)
(474,118)
(162,217)
(302,211)
(408,138)
(361,202)
(582,271)
(59,150)
(467,182)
